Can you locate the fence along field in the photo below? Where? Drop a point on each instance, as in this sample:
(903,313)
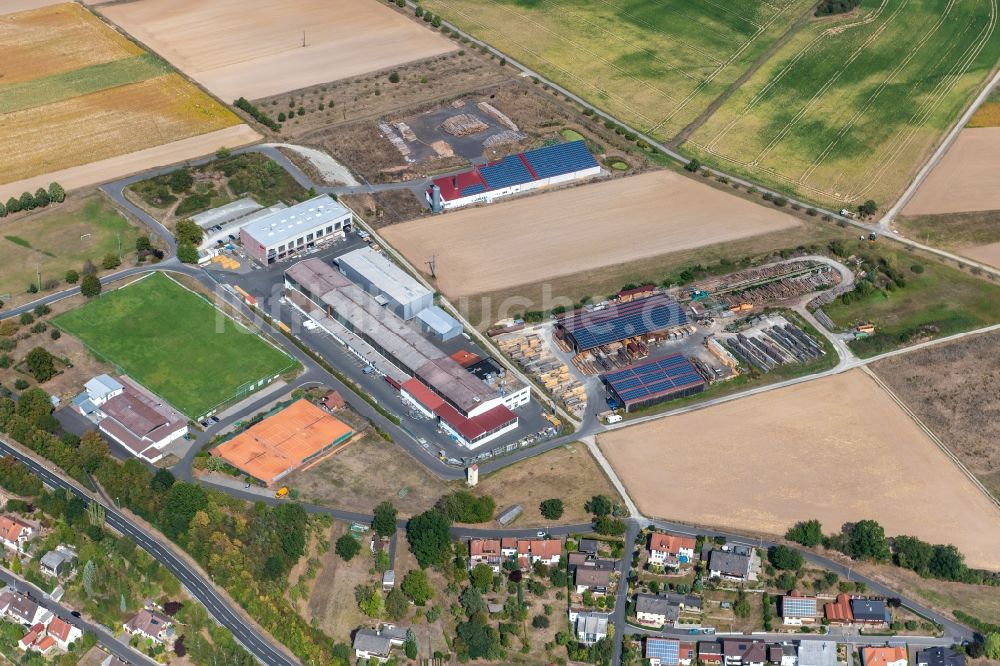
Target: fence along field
(847,110)
(656,65)
(74,91)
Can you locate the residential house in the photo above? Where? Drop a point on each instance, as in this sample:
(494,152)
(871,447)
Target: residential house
(45,645)
(588,546)
(151,624)
(662,651)
(774,653)
(940,656)
(797,610)
(710,652)
(63,633)
(23,610)
(589,626)
(729,564)
(485,551)
(789,655)
(508,547)
(333,401)
(839,610)
(546,551)
(740,652)
(58,562)
(593,579)
(654,610)
(686,602)
(376,644)
(29,639)
(870,611)
(576,559)
(817,653)
(884,656)
(687,654)
(670,550)
(14,533)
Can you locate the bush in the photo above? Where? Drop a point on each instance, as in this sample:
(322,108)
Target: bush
(540,622)
(347,547)
(111,261)
(72,276)
(917,268)
(20,384)
(693,166)
(418,11)
(187,253)
(786,558)
(462,506)
(394,77)
(551,509)
(257,114)
(90,286)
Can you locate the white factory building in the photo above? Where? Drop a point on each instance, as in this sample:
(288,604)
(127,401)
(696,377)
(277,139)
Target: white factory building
(388,283)
(293,230)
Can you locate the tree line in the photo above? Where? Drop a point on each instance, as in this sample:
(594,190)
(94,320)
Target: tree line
(42,198)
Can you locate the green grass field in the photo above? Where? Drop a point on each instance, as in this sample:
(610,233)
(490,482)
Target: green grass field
(59,238)
(655,64)
(55,88)
(847,110)
(940,300)
(174,343)
(951,231)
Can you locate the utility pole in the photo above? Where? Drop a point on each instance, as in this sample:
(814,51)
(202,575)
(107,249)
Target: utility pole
(118,235)
(303,39)
(432,264)
(38,274)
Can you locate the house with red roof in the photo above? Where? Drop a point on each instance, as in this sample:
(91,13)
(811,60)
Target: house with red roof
(884,656)
(14,533)
(63,633)
(839,610)
(670,550)
(485,551)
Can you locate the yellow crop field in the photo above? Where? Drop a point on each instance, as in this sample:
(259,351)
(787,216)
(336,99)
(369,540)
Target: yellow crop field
(988,115)
(74,91)
(104,124)
(56,39)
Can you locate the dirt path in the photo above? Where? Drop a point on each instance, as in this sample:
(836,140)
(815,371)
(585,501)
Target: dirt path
(329,169)
(693,126)
(123,165)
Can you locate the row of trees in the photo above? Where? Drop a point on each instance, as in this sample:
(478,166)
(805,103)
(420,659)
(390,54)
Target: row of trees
(27,201)
(866,540)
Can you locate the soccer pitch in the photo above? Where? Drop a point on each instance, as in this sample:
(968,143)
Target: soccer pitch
(176,344)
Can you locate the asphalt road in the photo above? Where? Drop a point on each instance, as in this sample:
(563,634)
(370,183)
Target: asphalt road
(201,589)
(121,650)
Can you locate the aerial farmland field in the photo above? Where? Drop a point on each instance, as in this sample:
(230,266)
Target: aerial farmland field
(847,110)
(74,91)
(655,65)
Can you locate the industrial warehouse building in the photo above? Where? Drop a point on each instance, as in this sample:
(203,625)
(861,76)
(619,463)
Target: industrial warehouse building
(653,381)
(587,329)
(281,443)
(293,230)
(390,284)
(472,410)
(517,173)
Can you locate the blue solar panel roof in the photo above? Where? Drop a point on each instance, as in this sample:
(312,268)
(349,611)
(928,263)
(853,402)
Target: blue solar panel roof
(508,171)
(627,320)
(665,649)
(477,188)
(651,378)
(559,159)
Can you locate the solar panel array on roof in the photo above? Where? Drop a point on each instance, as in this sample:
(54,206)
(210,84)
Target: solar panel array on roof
(667,650)
(559,159)
(505,173)
(649,379)
(798,606)
(625,320)
(476,188)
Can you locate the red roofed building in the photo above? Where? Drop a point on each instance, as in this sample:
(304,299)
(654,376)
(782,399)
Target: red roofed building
(670,550)
(485,551)
(63,633)
(884,656)
(14,532)
(477,430)
(839,611)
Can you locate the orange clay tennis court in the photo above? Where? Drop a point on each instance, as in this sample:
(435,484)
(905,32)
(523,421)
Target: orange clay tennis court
(280,443)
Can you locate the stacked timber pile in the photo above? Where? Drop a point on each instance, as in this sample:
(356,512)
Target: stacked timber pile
(390,134)
(464,124)
(536,359)
(504,137)
(497,115)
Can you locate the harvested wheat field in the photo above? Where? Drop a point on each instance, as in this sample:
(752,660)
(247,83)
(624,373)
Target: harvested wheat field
(837,449)
(966,179)
(55,39)
(148,158)
(253,48)
(536,238)
(132,117)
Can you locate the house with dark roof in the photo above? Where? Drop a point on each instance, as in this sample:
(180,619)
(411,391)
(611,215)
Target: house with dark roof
(940,656)
(377,644)
(739,652)
(589,626)
(654,610)
(151,624)
(23,610)
(588,546)
(59,561)
(870,611)
(729,564)
(710,652)
(593,579)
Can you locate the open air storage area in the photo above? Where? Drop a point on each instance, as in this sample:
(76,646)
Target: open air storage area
(67,73)
(837,449)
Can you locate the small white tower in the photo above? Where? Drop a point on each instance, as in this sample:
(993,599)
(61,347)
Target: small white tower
(473,475)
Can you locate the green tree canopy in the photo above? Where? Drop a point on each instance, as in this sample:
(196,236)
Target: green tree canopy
(384,523)
(808,533)
(427,534)
(783,557)
(90,286)
(417,587)
(599,505)
(188,232)
(551,509)
(347,547)
(183,501)
(866,541)
(56,193)
(41,364)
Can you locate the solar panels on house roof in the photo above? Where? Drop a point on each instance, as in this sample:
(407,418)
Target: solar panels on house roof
(559,159)
(594,328)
